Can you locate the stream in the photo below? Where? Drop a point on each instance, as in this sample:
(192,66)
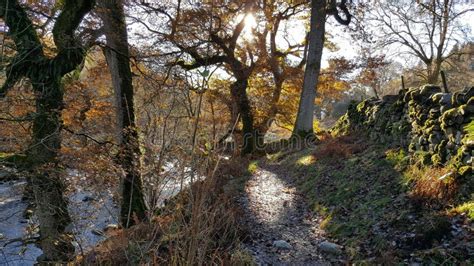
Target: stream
(93,210)
(14,228)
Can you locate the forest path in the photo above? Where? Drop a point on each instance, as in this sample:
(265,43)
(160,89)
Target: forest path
(282,231)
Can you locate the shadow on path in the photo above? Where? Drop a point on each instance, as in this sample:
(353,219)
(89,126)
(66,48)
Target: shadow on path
(281,228)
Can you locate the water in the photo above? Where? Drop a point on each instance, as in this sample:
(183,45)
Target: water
(14,227)
(91,208)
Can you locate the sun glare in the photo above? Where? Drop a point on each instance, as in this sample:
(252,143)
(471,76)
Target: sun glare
(250,23)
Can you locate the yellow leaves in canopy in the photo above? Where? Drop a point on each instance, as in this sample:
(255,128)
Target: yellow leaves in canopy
(331,88)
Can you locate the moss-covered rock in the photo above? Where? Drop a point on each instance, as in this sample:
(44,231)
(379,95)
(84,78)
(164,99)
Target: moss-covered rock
(465,171)
(423,120)
(436,159)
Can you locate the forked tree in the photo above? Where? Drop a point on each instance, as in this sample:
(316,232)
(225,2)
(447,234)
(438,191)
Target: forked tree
(45,74)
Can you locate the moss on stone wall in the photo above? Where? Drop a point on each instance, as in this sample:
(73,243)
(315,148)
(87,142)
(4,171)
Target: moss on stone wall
(422,120)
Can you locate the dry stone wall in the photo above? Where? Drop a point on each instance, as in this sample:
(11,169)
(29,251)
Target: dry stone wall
(437,127)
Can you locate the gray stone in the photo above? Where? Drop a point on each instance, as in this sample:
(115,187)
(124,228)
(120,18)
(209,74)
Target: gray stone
(69,228)
(450,145)
(281,244)
(458,137)
(7,176)
(3,174)
(450,131)
(446,99)
(330,247)
(429,89)
(435,138)
(444,108)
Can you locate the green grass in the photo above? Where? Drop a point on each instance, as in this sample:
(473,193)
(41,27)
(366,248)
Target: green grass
(252,167)
(20,160)
(351,194)
(364,200)
(4,155)
(467,208)
(305,160)
(398,158)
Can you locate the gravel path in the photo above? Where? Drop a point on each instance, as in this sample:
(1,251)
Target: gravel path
(282,231)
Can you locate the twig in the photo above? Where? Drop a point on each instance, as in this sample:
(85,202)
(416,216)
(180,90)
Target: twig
(89,137)
(20,239)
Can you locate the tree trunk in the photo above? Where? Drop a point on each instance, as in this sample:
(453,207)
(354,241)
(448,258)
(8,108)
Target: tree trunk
(304,120)
(45,75)
(51,207)
(242,103)
(433,72)
(264,126)
(133,205)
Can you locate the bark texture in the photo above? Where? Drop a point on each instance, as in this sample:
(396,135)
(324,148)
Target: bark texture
(45,75)
(304,120)
(240,99)
(133,206)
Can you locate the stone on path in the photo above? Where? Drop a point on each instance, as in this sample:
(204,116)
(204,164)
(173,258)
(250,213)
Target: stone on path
(329,247)
(281,244)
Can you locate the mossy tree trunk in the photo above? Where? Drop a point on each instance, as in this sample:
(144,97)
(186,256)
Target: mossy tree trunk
(45,75)
(240,98)
(51,207)
(117,55)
